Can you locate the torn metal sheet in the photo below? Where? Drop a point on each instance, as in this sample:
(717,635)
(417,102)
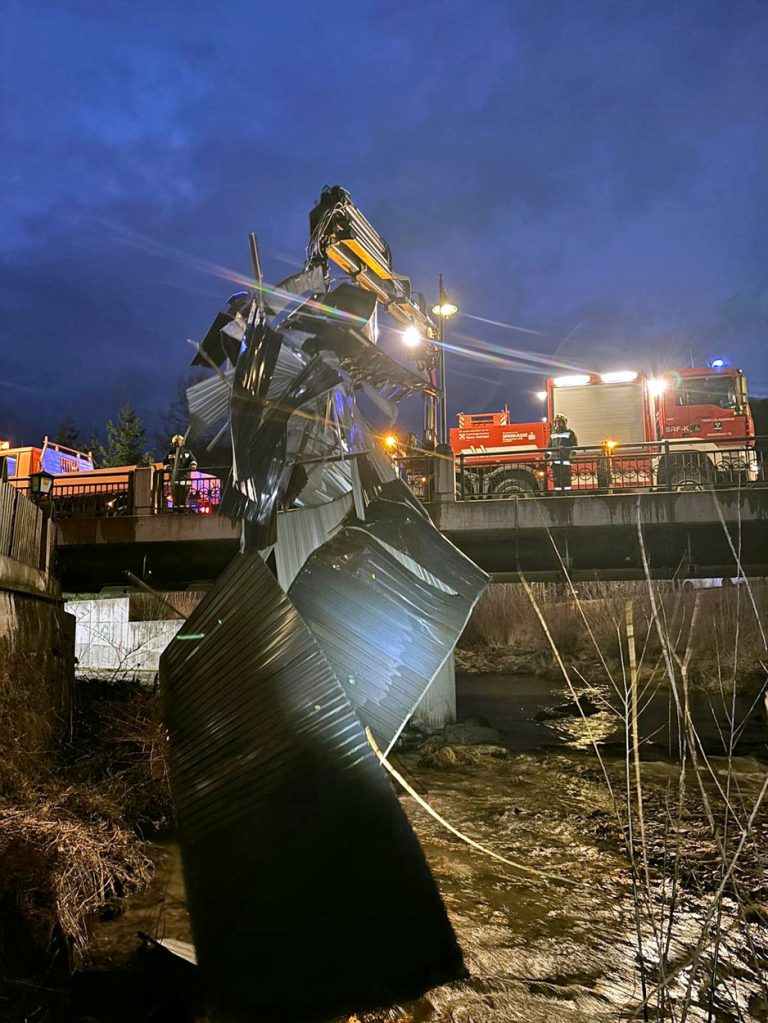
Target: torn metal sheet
(308,892)
(262,472)
(208,400)
(387,599)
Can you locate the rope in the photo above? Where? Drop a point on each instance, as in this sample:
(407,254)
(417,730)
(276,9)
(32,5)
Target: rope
(449,827)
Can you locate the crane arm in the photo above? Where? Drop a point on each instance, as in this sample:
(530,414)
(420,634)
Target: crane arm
(341,233)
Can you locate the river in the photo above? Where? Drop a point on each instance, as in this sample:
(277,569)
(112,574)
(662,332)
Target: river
(555,939)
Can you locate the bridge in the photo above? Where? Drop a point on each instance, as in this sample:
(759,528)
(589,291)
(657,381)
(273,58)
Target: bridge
(128,524)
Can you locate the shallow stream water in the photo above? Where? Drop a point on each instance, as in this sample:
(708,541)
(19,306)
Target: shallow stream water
(555,939)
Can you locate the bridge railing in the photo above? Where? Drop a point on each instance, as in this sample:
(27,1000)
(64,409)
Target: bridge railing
(89,498)
(416,472)
(198,493)
(688,464)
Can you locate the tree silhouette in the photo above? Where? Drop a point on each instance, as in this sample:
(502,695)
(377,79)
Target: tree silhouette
(126,440)
(67,433)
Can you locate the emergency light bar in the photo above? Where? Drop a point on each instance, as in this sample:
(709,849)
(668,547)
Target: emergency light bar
(622,376)
(573,380)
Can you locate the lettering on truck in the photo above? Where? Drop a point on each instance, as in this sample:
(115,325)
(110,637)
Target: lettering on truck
(514,435)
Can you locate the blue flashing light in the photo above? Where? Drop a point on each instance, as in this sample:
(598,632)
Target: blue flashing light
(718,363)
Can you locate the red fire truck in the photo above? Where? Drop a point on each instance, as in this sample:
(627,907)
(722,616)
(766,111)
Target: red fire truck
(684,429)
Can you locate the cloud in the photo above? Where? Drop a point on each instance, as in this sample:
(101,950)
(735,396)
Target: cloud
(593,172)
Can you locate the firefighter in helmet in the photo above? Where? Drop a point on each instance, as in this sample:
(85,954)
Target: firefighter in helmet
(180,463)
(562,441)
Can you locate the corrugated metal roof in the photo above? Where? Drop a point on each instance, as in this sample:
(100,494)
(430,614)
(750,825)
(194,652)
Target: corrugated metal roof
(387,614)
(308,892)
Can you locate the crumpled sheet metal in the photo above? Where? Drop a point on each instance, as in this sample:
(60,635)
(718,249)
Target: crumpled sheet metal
(308,892)
(386,600)
(261,471)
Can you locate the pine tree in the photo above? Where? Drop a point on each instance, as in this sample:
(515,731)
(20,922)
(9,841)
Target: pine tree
(67,433)
(96,449)
(126,440)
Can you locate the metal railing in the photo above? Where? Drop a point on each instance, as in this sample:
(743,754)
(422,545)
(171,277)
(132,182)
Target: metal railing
(197,493)
(416,471)
(90,498)
(654,466)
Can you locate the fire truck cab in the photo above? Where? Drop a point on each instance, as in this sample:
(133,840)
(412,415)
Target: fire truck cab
(694,425)
(685,429)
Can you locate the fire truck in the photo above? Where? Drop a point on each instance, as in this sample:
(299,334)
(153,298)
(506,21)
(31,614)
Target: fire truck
(685,429)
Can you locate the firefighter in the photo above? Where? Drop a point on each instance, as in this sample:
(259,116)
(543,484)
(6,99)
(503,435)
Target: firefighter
(180,463)
(562,441)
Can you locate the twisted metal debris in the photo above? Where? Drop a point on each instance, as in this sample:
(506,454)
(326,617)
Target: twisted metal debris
(308,892)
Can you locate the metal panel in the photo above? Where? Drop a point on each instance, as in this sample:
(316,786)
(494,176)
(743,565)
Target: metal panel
(387,615)
(596,412)
(308,892)
(301,531)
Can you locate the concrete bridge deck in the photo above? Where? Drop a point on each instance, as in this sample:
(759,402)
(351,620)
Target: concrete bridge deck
(596,536)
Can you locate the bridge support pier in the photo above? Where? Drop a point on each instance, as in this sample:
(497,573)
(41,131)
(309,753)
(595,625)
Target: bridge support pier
(443,475)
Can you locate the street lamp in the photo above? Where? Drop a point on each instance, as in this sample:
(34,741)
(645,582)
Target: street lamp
(40,485)
(443,311)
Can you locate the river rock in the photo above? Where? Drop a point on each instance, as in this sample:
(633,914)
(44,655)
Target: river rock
(472,732)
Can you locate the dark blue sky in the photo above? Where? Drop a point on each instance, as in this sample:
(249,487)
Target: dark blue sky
(594,171)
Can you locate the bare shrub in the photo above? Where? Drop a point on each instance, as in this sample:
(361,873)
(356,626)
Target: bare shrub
(504,618)
(119,745)
(63,857)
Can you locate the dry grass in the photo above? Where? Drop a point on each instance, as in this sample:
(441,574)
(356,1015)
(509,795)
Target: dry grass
(64,857)
(72,814)
(505,618)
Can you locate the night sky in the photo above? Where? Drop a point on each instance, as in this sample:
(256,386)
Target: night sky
(594,172)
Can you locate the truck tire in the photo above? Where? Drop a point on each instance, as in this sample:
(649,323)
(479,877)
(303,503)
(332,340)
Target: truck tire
(467,486)
(688,477)
(513,483)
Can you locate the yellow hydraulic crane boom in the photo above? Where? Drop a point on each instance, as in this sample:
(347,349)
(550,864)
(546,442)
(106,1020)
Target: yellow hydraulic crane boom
(340,232)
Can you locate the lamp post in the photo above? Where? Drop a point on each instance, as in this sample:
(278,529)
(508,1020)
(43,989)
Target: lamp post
(443,310)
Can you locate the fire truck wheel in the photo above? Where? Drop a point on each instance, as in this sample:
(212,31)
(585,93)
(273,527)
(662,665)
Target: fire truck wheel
(511,482)
(688,477)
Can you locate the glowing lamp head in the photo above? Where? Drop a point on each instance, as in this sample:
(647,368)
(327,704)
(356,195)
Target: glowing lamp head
(718,363)
(609,445)
(390,441)
(541,395)
(412,336)
(572,380)
(656,387)
(4,445)
(445,309)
